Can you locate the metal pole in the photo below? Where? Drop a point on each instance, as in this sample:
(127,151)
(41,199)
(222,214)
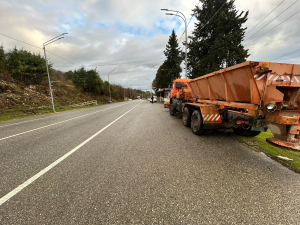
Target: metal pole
(124,94)
(109,89)
(184,19)
(49,80)
(109,85)
(185,50)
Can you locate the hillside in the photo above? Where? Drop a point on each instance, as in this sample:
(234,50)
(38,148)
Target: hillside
(18,99)
(24,87)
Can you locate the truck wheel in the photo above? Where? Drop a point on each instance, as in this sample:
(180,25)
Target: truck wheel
(238,131)
(196,123)
(171,110)
(186,117)
(246,133)
(255,133)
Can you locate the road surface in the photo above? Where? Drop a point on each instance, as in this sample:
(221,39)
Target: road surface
(133,163)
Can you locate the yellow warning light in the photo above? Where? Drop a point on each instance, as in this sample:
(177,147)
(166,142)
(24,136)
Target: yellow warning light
(265,65)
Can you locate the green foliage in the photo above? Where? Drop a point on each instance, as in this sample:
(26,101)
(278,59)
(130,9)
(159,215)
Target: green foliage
(25,66)
(170,69)
(68,75)
(216,43)
(2,60)
(273,151)
(88,80)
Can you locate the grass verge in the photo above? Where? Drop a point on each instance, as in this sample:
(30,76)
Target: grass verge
(17,114)
(273,151)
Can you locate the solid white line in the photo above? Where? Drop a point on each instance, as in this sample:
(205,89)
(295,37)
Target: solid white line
(45,170)
(25,132)
(27,121)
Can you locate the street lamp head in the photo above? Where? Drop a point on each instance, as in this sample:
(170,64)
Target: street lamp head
(64,33)
(164,9)
(169,14)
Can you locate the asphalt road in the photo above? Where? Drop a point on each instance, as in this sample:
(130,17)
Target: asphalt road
(133,163)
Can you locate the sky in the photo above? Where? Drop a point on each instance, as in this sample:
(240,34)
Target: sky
(129,37)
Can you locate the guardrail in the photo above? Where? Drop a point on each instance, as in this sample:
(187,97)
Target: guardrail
(94,102)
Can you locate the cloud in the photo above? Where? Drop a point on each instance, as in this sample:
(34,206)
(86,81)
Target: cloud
(117,31)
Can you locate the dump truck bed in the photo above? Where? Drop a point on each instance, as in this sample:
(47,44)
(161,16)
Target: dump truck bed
(242,83)
(261,90)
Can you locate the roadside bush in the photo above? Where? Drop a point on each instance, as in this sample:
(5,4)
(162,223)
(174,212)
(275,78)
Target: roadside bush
(26,67)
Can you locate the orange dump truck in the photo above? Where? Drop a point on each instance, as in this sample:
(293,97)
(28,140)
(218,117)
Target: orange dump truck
(249,97)
(179,86)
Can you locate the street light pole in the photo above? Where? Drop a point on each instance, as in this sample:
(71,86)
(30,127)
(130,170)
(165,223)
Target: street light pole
(109,85)
(44,47)
(184,19)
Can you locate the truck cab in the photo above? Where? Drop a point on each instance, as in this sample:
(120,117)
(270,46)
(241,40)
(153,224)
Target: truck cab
(180,93)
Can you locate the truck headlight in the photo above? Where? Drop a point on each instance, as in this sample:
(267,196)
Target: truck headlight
(270,106)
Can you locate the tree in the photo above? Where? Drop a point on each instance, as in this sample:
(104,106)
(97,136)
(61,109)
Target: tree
(2,60)
(26,67)
(216,41)
(68,75)
(170,69)
(88,80)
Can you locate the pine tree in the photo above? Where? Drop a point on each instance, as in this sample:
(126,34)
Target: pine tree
(2,61)
(170,69)
(216,40)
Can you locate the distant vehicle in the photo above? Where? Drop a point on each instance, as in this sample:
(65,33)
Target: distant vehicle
(154,99)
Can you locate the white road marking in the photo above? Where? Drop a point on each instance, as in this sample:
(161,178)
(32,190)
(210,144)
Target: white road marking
(27,121)
(25,132)
(45,170)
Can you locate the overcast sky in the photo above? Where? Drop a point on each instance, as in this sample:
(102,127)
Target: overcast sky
(105,32)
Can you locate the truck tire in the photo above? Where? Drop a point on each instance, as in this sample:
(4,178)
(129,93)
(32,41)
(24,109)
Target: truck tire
(171,110)
(255,133)
(197,123)
(246,133)
(186,117)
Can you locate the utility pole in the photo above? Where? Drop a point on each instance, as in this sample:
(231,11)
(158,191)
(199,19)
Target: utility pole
(44,47)
(184,19)
(109,85)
